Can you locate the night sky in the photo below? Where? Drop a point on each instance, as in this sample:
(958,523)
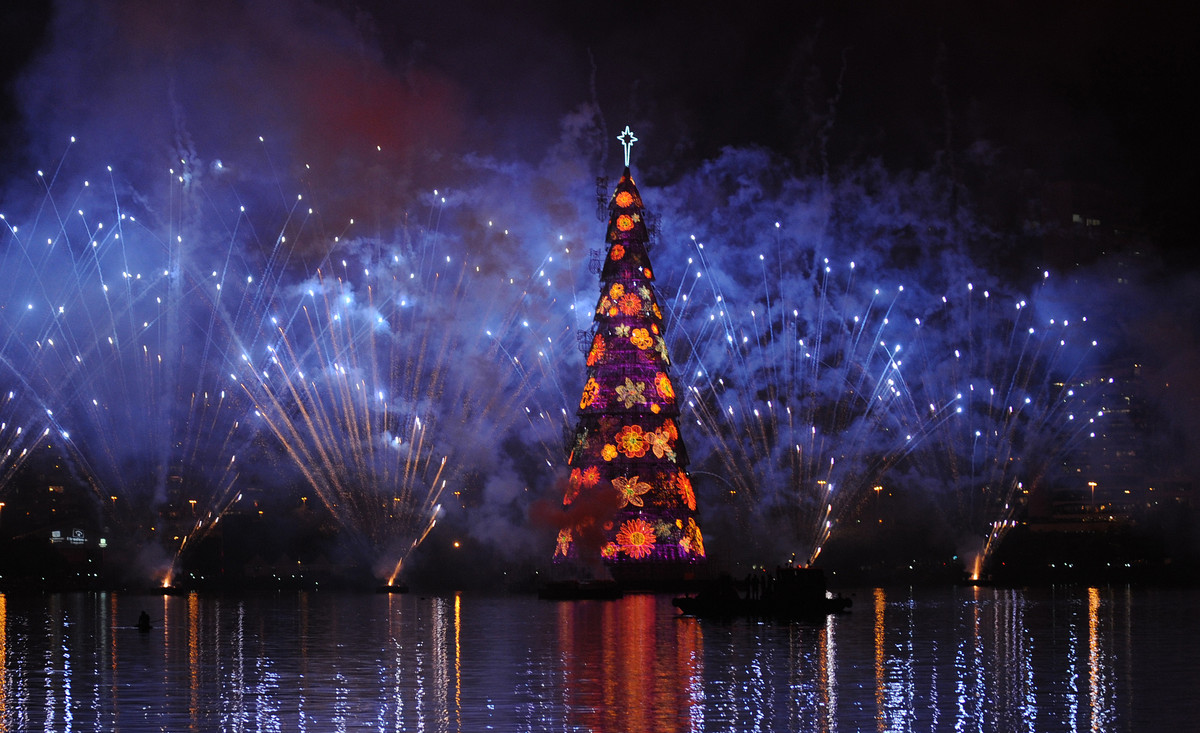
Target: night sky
(1096,95)
(935,142)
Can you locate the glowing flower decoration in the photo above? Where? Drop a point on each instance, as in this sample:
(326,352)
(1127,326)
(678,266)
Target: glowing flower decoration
(589,393)
(617,252)
(622,331)
(661,347)
(663,384)
(668,428)
(656,310)
(608,452)
(641,338)
(630,304)
(597,352)
(624,222)
(631,394)
(654,328)
(646,272)
(692,541)
(660,444)
(655,409)
(590,477)
(631,441)
(624,199)
(564,542)
(684,484)
(630,490)
(644,292)
(636,537)
(609,550)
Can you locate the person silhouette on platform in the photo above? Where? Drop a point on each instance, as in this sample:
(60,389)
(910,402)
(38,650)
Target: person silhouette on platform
(143,622)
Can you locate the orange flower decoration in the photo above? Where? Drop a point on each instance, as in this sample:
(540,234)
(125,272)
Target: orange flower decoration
(641,339)
(624,199)
(636,537)
(624,222)
(631,440)
(631,304)
(630,490)
(668,428)
(646,272)
(609,550)
(597,352)
(564,542)
(608,452)
(617,252)
(663,384)
(660,444)
(685,490)
(590,477)
(589,393)
(616,291)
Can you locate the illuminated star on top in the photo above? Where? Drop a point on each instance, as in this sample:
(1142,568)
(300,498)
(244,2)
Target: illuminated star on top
(627,139)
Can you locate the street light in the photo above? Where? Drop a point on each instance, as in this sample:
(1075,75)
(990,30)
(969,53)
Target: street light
(1092,484)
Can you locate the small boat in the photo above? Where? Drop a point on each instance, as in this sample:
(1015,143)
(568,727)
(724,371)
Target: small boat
(792,594)
(581,590)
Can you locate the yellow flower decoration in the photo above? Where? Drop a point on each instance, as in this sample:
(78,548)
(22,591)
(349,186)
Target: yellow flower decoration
(624,222)
(644,292)
(661,347)
(622,331)
(608,452)
(630,490)
(657,312)
(631,394)
(589,393)
(624,199)
(616,291)
(692,541)
(641,338)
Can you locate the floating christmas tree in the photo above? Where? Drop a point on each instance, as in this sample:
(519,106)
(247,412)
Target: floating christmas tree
(629,500)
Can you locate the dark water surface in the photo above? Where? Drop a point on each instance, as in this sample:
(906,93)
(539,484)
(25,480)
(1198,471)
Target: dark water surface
(1070,659)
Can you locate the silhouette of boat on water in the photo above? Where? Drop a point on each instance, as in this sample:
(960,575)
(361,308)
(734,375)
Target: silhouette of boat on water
(792,593)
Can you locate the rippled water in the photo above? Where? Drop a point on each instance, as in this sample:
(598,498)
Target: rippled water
(1108,659)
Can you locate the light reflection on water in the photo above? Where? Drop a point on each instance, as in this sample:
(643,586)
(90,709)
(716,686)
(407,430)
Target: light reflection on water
(971,659)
